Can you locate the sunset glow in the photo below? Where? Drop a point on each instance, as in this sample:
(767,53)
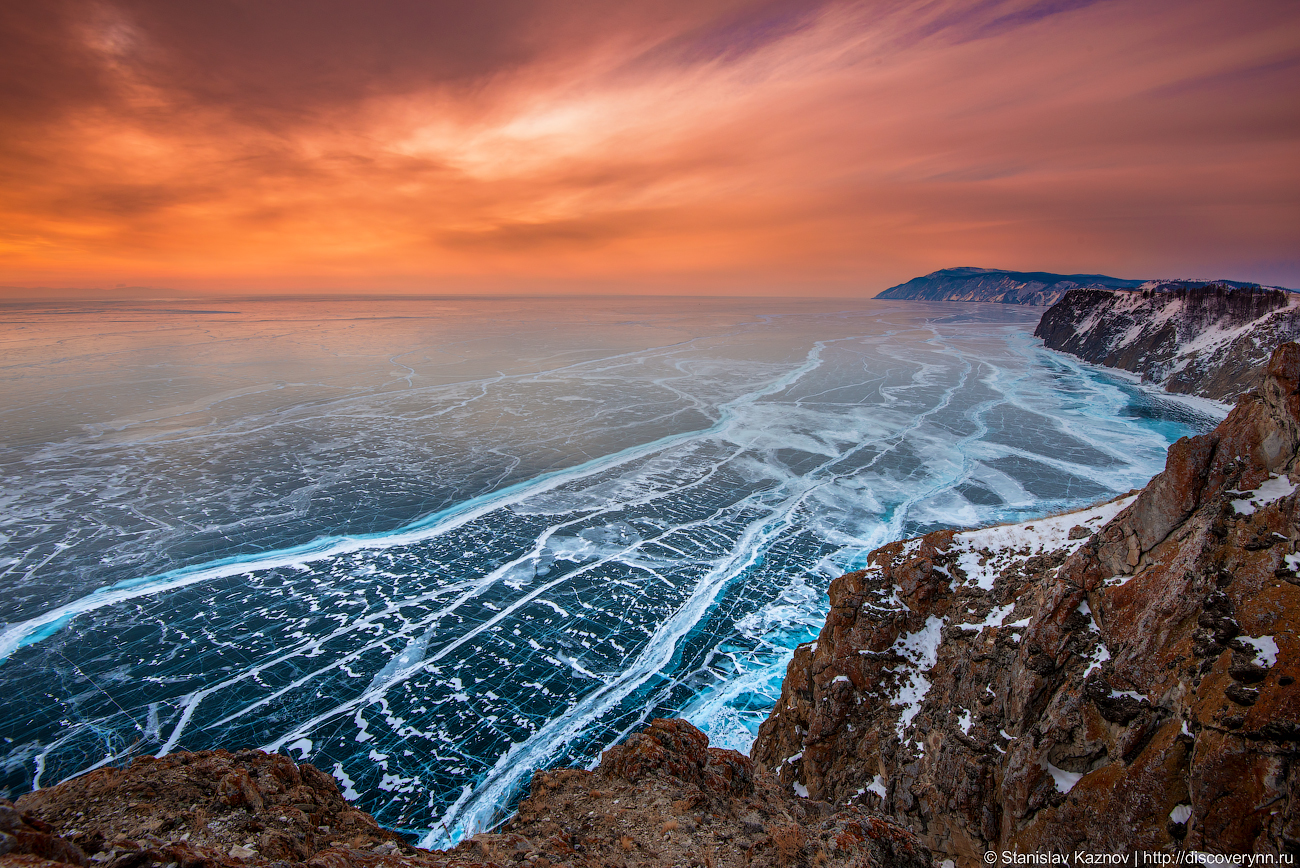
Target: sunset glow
(720,147)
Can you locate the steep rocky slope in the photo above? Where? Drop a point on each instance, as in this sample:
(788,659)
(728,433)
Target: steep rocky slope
(1210,340)
(1083,683)
(991,284)
(663,797)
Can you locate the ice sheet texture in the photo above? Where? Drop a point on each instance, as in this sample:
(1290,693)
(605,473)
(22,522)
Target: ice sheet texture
(433,545)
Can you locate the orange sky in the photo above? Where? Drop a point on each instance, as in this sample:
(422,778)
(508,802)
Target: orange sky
(708,146)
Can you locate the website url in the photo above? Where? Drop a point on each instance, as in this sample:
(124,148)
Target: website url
(1139,858)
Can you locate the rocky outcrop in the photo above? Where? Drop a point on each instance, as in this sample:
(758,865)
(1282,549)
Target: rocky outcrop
(663,797)
(204,810)
(1118,679)
(1038,288)
(24,839)
(1210,340)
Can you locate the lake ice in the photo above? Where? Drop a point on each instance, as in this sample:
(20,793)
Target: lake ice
(432,545)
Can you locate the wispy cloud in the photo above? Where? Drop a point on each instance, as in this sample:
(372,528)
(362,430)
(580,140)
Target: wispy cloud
(722,146)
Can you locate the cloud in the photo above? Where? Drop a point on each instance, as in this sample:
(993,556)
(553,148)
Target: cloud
(707,145)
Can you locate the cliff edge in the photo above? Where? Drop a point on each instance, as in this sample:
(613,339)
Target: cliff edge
(1211,340)
(1112,680)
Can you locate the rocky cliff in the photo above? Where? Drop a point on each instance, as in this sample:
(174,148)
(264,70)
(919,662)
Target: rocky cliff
(995,285)
(1208,340)
(1112,680)
(663,797)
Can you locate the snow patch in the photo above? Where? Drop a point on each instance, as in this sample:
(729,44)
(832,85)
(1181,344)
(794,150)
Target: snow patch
(1086,610)
(1064,780)
(800,790)
(558,609)
(1270,490)
(1181,814)
(1265,649)
(1100,655)
(983,554)
(921,649)
(995,618)
(1118,694)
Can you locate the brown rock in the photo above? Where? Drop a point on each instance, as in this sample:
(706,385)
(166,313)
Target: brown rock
(674,746)
(1142,679)
(26,839)
(209,809)
(664,797)
(238,790)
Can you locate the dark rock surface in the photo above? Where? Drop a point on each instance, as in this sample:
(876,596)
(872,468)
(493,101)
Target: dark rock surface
(1210,341)
(1048,688)
(1038,288)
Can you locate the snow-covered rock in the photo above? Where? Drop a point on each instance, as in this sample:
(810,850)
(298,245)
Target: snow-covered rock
(1209,340)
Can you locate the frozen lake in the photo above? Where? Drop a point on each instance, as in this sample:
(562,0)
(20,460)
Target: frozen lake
(432,545)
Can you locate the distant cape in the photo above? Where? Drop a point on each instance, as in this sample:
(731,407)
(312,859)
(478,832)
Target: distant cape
(1038,288)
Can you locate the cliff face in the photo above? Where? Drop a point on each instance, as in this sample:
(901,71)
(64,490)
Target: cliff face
(1110,680)
(664,797)
(994,285)
(1210,341)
